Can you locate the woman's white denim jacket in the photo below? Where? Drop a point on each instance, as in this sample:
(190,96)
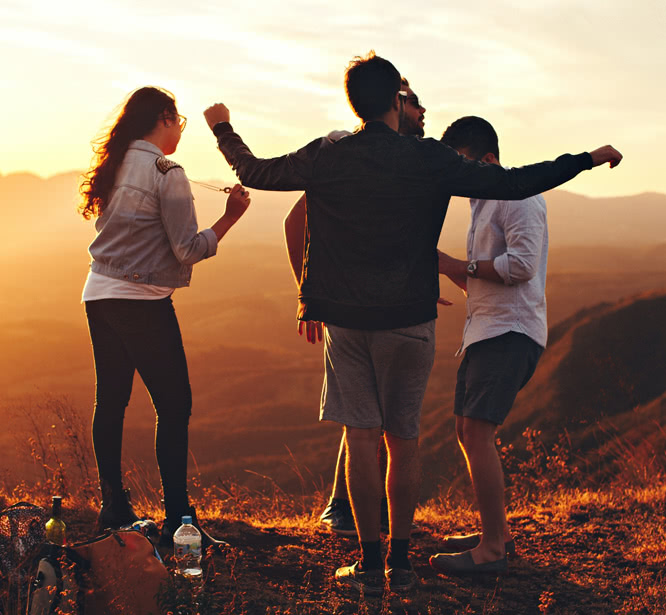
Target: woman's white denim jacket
(148,231)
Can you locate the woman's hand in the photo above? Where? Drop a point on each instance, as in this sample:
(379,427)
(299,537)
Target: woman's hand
(237,203)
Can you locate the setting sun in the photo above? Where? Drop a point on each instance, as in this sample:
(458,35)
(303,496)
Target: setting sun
(552,77)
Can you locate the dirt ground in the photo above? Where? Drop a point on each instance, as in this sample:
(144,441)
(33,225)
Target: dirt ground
(579,553)
(587,559)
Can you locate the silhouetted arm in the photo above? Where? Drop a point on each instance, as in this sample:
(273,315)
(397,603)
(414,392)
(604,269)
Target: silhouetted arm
(462,177)
(284,173)
(294,238)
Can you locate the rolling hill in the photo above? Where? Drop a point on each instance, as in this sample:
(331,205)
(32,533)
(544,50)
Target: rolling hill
(256,384)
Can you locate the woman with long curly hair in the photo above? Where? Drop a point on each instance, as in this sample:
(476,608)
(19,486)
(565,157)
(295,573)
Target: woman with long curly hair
(147,241)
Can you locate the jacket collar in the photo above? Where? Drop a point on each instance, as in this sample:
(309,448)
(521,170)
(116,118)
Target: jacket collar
(146,146)
(377,126)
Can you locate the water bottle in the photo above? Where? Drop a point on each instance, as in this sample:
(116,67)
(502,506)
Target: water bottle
(187,549)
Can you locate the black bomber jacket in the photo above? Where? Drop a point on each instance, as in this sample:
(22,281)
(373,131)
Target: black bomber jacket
(376,202)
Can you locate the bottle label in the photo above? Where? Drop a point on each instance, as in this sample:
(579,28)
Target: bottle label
(184,549)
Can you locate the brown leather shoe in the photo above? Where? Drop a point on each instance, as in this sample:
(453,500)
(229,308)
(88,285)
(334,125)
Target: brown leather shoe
(458,544)
(462,563)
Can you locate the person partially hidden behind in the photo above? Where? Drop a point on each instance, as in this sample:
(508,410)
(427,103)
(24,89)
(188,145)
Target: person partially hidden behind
(505,333)
(376,201)
(147,242)
(337,516)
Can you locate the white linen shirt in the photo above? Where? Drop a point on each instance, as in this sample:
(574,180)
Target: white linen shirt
(514,235)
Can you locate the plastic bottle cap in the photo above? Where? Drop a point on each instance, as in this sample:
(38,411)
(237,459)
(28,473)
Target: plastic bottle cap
(187,520)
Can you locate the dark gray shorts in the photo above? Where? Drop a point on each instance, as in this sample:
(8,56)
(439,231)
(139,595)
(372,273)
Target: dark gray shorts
(377,378)
(491,374)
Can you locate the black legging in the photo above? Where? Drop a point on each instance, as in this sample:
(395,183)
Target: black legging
(142,335)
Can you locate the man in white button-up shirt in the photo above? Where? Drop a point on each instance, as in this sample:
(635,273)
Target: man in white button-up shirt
(505,333)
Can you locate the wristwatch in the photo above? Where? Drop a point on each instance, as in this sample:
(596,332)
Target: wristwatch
(472,267)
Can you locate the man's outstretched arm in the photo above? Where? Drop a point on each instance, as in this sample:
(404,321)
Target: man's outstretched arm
(463,177)
(289,172)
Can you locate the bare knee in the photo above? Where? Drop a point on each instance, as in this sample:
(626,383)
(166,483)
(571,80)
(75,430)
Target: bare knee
(460,421)
(400,447)
(357,436)
(477,435)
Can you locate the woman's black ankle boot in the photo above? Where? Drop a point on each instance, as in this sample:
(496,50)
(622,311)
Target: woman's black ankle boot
(116,508)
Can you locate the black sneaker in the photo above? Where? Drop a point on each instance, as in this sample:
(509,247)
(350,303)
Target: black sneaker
(338,517)
(401,580)
(370,582)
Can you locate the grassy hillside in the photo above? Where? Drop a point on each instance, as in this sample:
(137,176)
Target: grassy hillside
(256,384)
(602,378)
(584,447)
(599,550)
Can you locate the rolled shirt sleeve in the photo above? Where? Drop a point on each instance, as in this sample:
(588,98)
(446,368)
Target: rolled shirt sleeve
(525,231)
(180,220)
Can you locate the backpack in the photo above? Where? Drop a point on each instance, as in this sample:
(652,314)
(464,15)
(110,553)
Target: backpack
(113,574)
(22,533)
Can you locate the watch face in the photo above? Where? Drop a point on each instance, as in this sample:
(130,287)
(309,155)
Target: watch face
(471,268)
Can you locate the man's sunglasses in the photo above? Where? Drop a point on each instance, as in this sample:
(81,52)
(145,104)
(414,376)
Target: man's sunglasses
(412,99)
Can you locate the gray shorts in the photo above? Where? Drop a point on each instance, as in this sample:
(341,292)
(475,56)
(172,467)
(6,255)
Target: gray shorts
(377,378)
(491,374)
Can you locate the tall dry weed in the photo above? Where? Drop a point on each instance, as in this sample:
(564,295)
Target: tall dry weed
(538,470)
(58,442)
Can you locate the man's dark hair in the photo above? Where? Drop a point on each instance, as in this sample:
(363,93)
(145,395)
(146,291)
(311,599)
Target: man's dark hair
(371,84)
(473,134)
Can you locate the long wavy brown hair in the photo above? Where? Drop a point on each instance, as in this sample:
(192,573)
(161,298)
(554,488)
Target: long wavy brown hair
(138,118)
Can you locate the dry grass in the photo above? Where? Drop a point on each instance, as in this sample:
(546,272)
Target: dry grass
(582,551)
(583,548)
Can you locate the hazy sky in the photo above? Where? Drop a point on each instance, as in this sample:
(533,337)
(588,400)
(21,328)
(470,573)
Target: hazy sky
(553,76)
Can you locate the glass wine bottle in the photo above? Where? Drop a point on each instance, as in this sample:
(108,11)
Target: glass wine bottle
(55,526)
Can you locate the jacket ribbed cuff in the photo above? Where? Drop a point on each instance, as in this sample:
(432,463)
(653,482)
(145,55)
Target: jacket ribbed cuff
(221,127)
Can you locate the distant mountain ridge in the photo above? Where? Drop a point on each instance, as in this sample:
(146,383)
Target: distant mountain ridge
(627,221)
(603,376)
(601,381)
(248,365)
(610,359)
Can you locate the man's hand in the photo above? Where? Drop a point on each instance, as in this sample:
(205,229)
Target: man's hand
(442,301)
(454,269)
(216,114)
(314,330)
(237,203)
(604,154)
